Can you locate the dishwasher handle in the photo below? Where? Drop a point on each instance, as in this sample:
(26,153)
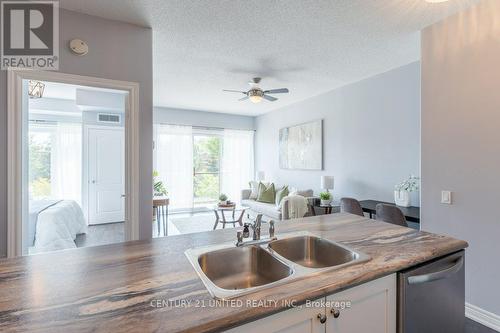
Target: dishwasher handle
(417,279)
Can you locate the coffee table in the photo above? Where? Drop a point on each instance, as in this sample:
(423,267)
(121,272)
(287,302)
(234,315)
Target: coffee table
(221,211)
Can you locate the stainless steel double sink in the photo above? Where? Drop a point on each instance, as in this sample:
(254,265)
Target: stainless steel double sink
(229,271)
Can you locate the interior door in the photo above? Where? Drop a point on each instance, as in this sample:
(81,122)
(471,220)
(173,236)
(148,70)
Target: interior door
(106,170)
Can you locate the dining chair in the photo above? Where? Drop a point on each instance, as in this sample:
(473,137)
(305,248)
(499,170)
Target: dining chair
(390,214)
(352,206)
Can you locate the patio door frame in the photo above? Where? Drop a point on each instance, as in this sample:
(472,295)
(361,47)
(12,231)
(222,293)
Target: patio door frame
(16,202)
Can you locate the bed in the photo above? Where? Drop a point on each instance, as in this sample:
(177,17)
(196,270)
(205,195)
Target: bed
(54,224)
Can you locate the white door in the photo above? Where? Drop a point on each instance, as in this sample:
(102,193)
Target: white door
(106,181)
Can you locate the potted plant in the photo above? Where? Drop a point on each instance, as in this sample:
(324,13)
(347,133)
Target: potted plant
(222,199)
(159,188)
(326,198)
(403,189)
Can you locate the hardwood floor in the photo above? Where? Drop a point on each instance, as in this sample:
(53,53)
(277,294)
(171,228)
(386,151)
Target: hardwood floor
(473,327)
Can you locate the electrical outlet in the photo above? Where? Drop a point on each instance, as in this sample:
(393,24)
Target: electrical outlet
(446,197)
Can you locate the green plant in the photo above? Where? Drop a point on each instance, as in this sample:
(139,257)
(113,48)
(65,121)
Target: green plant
(222,197)
(325,196)
(158,186)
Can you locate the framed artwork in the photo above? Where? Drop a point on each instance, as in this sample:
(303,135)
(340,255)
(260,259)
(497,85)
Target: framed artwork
(301,146)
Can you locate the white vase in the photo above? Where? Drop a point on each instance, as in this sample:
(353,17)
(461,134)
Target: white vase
(326,202)
(402,198)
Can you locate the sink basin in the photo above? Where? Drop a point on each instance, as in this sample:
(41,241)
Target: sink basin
(229,271)
(242,267)
(313,252)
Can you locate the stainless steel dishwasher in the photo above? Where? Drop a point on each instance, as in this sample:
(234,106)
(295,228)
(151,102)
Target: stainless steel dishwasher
(431,296)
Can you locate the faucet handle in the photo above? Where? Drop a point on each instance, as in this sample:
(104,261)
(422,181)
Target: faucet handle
(239,236)
(271,229)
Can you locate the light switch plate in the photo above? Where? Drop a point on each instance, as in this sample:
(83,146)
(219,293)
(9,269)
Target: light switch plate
(446,197)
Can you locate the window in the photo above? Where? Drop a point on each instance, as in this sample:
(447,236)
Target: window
(196,165)
(55,161)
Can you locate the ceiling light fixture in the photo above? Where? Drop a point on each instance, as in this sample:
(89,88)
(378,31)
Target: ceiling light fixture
(255,95)
(35,89)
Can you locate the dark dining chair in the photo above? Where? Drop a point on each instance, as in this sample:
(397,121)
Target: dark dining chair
(390,214)
(352,206)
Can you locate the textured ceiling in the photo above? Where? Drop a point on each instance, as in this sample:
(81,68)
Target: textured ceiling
(203,46)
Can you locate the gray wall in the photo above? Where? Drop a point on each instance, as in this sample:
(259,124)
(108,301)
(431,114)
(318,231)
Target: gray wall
(201,118)
(371,135)
(117,51)
(461,141)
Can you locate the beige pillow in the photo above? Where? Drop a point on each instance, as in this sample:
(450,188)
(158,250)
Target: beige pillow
(254,187)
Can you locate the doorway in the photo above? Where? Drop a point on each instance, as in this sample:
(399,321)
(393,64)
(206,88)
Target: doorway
(73,162)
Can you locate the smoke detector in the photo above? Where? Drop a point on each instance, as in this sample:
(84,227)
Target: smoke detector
(78,47)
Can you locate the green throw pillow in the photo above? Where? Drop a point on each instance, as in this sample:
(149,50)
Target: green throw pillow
(280,194)
(267,193)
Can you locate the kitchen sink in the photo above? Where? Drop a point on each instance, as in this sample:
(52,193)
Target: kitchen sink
(242,267)
(229,271)
(312,252)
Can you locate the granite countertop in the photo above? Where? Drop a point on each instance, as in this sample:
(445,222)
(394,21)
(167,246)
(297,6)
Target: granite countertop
(150,286)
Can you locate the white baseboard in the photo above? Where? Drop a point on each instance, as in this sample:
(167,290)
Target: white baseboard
(482,316)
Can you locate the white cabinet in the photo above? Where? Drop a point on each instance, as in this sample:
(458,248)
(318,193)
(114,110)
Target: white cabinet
(297,320)
(370,307)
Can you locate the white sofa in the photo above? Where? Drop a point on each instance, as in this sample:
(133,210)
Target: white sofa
(270,211)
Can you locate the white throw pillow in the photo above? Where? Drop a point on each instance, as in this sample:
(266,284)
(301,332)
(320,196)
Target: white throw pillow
(254,187)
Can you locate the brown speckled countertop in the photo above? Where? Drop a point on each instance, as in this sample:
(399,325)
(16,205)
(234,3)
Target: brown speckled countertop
(112,288)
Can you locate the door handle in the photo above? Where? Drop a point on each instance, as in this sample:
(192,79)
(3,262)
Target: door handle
(124,195)
(322,318)
(417,279)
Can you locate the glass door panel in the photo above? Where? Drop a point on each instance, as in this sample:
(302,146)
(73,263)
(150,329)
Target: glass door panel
(206,169)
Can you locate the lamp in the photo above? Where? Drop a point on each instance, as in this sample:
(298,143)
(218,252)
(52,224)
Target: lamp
(260,176)
(35,89)
(327,182)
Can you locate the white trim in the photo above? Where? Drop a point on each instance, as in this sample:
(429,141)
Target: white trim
(14,146)
(482,316)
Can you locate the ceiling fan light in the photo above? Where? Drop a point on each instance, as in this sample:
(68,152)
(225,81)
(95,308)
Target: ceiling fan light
(255,99)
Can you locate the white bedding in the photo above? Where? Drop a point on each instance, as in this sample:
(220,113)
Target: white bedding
(57,227)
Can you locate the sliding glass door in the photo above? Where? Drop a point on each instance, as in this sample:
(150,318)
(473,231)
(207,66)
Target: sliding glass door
(197,164)
(207,150)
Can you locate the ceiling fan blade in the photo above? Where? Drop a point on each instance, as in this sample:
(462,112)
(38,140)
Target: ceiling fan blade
(277,91)
(236,91)
(244,98)
(269,98)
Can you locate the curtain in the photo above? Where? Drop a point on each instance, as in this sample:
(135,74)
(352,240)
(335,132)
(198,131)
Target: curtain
(237,162)
(66,162)
(174,163)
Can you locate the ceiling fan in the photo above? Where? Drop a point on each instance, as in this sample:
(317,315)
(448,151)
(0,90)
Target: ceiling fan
(256,94)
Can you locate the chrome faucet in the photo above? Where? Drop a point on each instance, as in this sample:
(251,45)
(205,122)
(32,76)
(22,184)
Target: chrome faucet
(256,227)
